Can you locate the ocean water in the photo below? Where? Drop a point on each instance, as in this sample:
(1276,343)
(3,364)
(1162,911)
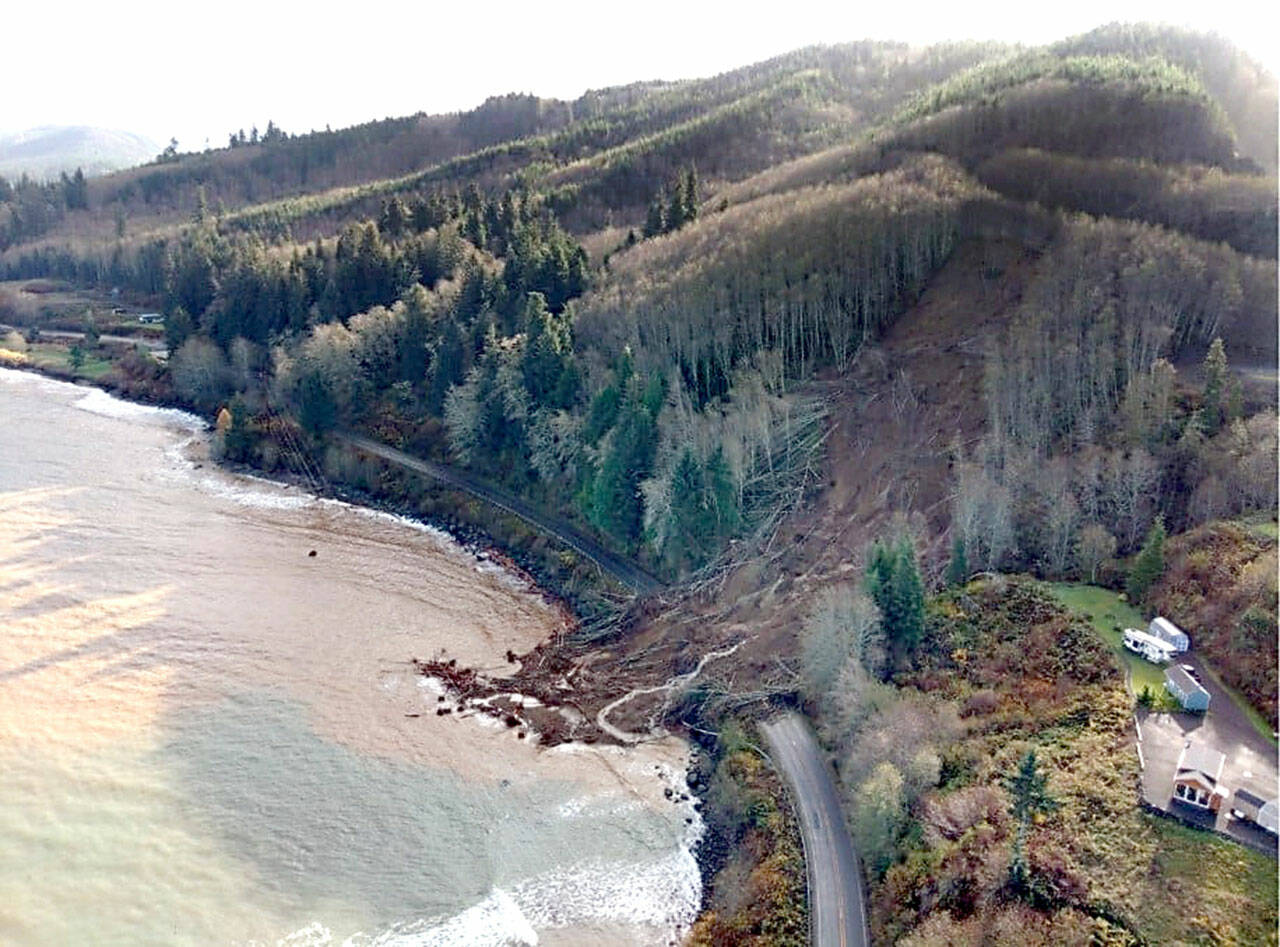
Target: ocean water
(205,733)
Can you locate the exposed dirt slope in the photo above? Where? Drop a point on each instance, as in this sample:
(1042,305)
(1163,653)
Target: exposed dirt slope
(893,419)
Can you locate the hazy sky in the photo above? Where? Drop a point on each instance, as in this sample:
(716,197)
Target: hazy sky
(198,70)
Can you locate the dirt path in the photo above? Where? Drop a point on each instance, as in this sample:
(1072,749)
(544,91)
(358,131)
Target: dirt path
(623,736)
(153,345)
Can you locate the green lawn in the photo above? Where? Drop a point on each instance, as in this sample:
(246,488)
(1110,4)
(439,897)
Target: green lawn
(1206,890)
(1110,616)
(1263,526)
(57,356)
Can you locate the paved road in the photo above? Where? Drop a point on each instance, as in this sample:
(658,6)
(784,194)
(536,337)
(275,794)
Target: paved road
(837,917)
(625,571)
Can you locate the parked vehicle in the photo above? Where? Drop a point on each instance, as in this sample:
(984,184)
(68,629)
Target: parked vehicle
(1148,646)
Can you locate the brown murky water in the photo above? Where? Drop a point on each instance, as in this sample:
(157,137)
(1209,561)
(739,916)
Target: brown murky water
(204,734)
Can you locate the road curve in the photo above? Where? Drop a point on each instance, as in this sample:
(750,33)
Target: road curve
(837,916)
(626,572)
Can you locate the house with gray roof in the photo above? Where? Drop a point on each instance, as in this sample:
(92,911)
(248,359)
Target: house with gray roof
(1169,633)
(1186,690)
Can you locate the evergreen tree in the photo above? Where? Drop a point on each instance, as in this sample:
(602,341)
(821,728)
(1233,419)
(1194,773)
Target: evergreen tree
(75,190)
(177,327)
(1215,383)
(1030,797)
(447,367)
(201,212)
(1149,565)
(894,584)
(394,218)
(317,406)
(548,356)
(603,414)
(907,591)
(237,439)
(690,194)
(656,222)
(692,517)
(415,336)
(677,209)
(616,505)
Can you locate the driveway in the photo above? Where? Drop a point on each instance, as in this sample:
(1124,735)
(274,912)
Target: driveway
(1251,759)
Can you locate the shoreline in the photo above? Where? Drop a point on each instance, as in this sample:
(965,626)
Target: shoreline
(544,674)
(540,695)
(169,448)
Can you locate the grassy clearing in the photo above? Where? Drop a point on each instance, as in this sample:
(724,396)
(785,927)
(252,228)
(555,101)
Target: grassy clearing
(1234,890)
(1264,527)
(1109,616)
(55,358)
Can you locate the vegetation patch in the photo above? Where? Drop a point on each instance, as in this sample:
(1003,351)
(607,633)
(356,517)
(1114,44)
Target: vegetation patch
(1027,830)
(752,853)
(1110,614)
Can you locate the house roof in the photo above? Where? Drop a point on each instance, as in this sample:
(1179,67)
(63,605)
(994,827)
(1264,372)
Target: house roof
(1200,761)
(1182,680)
(1250,798)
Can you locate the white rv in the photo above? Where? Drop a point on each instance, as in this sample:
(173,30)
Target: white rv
(1148,646)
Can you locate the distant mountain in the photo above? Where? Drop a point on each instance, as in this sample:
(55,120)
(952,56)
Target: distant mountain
(47,151)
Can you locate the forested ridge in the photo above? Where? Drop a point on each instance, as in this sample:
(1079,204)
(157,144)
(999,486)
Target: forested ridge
(663,311)
(657,383)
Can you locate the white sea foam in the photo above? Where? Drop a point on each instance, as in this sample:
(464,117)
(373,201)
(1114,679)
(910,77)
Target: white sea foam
(13,376)
(97,401)
(497,921)
(663,893)
(661,896)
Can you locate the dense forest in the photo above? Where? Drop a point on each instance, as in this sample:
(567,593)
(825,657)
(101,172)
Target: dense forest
(455,307)
(633,309)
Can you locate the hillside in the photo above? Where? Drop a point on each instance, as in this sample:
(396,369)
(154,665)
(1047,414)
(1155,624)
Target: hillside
(701,252)
(45,153)
(936,312)
(1221,581)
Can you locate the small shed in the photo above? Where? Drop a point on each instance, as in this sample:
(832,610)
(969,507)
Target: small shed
(1196,777)
(1186,690)
(1253,807)
(1170,633)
